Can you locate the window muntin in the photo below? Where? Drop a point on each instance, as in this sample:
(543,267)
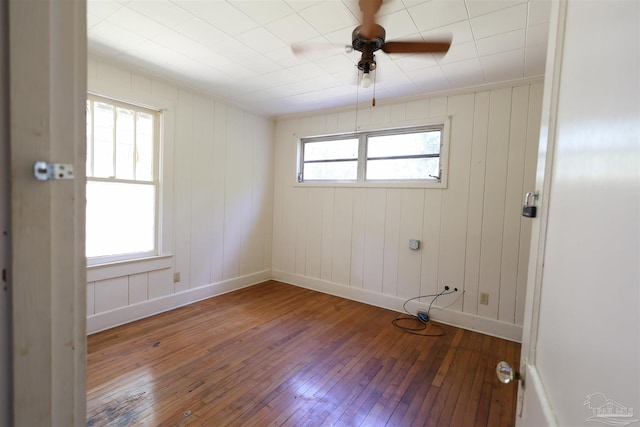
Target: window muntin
(122,181)
(394,156)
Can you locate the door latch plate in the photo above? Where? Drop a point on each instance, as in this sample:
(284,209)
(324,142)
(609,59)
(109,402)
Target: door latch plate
(45,171)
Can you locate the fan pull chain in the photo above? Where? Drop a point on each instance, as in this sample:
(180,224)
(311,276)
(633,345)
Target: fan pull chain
(373,101)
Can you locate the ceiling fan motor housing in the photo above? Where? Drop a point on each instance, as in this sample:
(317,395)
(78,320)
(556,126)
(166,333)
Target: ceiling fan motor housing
(367,47)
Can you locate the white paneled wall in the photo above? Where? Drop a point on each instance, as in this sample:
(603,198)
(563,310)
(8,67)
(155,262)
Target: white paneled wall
(217,198)
(354,241)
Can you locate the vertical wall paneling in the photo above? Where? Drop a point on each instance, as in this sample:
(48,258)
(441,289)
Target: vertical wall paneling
(391,250)
(201,171)
(160,283)
(358,237)
(246,214)
(217,198)
(91,298)
(374,239)
(327,195)
(182,186)
(138,288)
(410,262)
(513,204)
(342,223)
(234,194)
(455,199)
(472,234)
(301,222)
(475,209)
(313,233)
(494,199)
(111,294)
(217,190)
(431,238)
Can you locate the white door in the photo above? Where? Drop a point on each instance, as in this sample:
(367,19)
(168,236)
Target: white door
(581,343)
(47,72)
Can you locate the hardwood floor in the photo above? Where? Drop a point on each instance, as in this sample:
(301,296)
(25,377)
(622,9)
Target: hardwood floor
(276,354)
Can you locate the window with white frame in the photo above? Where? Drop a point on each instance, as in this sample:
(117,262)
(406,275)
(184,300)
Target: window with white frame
(383,156)
(122,181)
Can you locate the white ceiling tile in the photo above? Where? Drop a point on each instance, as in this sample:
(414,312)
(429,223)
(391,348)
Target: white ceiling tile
(537,34)
(102,8)
(415,62)
(503,66)
(535,57)
(464,73)
(263,11)
(329,16)
(201,32)
(438,13)
(501,42)
(136,23)
(233,49)
(539,11)
(482,7)
(510,19)
(262,40)
(307,70)
(162,11)
(334,64)
(92,21)
(239,50)
(179,43)
(459,52)
(292,29)
(459,32)
(398,24)
(109,34)
(299,5)
(220,14)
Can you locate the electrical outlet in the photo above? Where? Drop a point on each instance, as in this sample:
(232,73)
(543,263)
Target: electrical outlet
(484,298)
(176,277)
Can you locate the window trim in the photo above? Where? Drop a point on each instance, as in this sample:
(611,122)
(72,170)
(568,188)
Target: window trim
(156,180)
(441,122)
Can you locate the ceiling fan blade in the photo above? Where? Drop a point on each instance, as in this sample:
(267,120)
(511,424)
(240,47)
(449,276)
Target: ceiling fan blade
(369,10)
(417,46)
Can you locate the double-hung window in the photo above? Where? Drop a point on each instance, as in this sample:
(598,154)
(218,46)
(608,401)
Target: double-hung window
(122,181)
(408,155)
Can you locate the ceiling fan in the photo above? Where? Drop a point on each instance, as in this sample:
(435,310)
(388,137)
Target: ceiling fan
(369,37)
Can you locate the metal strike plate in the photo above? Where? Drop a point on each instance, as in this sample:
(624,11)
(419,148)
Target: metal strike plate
(45,171)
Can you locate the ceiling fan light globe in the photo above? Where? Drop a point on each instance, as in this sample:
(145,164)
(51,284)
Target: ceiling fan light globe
(366,80)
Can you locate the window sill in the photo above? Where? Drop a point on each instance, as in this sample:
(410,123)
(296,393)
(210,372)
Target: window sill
(127,268)
(372,184)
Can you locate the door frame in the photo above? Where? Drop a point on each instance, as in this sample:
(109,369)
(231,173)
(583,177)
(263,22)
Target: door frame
(533,406)
(47,73)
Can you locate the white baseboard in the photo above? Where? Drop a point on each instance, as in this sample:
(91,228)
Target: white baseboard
(130,313)
(462,320)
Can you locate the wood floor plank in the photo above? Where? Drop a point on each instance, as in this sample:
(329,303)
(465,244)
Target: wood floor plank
(277,354)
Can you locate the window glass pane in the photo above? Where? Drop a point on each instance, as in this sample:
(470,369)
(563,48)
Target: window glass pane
(103,126)
(124,144)
(89,140)
(120,218)
(346,171)
(406,144)
(403,168)
(144,146)
(331,150)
